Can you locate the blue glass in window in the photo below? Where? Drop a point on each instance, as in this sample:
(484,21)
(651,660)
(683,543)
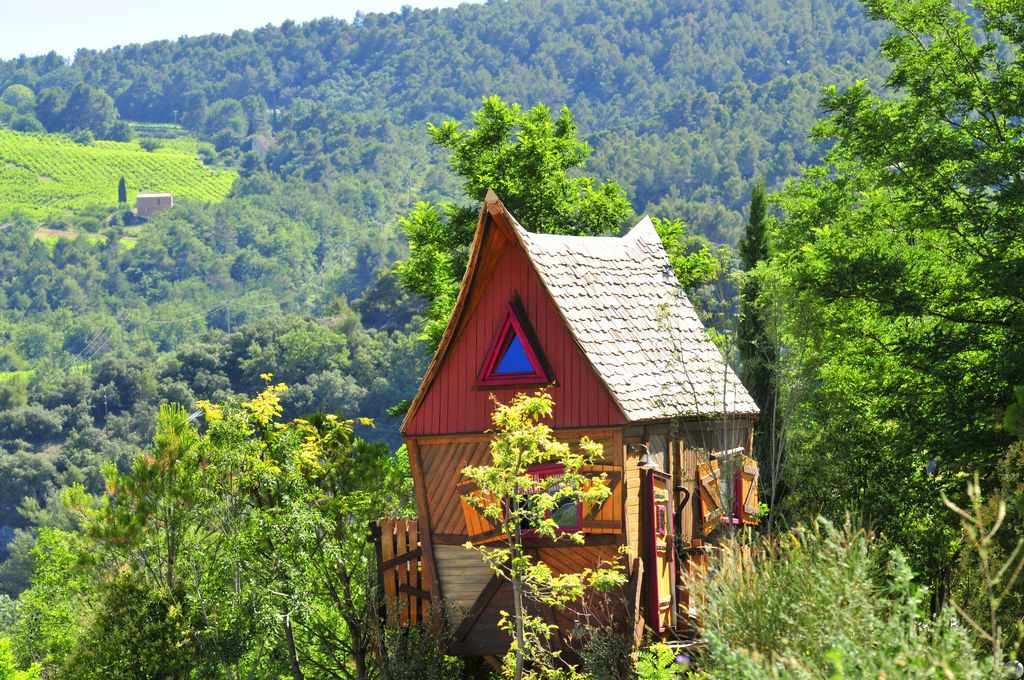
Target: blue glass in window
(514,360)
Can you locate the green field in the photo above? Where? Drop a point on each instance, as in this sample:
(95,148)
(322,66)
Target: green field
(44,175)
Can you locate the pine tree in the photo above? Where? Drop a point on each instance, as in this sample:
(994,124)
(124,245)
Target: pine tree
(758,353)
(122,191)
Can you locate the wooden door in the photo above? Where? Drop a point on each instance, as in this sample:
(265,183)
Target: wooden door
(660,553)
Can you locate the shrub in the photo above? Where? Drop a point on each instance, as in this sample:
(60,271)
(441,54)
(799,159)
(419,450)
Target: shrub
(137,632)
(413,652)
(8,671)
(83,137)
(813,604)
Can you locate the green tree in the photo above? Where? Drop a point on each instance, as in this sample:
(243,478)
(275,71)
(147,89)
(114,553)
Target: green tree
(88,108)
(136,631)
(20,97)
(49,108)
(509,497)
(50,611)
(526,159)
(758,352)
(122,191)
(902,255)
(247,544)
(8,669)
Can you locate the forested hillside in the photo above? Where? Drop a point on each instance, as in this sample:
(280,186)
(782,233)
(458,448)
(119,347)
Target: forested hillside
(683,102)
(682,105)
(876,320)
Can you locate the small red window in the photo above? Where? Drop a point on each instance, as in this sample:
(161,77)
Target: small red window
(568,513)
(513,358)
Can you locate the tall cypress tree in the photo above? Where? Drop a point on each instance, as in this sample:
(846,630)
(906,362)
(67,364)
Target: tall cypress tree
(122,191)
(758,353)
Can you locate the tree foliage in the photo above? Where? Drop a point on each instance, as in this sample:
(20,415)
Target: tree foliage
(240,551)
(525,159)
(903,255)
(509,497)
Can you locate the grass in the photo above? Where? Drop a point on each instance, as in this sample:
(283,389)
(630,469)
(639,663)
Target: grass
(50,240)
(45,175)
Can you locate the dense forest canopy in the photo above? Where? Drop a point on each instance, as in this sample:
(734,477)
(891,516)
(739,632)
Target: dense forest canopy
(880,315)
(683,103)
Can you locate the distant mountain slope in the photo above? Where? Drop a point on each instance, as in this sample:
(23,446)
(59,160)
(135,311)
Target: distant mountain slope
(685,102)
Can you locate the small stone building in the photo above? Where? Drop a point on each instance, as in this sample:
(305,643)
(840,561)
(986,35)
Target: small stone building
(147,205)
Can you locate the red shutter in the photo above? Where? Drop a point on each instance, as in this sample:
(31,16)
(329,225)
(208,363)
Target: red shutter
(710,497)
(747,475)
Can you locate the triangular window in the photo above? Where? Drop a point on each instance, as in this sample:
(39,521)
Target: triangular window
(512,358)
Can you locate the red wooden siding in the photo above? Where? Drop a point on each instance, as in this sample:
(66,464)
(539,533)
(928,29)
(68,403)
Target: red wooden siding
(453,406)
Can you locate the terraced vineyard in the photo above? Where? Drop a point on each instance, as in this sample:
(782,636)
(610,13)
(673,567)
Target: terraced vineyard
(42,175)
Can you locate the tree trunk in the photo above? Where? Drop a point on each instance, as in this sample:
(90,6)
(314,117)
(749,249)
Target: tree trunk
(293,657)
(517,599)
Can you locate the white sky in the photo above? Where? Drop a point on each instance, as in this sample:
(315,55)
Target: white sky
(33,27)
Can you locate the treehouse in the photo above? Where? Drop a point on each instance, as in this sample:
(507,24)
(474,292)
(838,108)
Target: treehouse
(601,324)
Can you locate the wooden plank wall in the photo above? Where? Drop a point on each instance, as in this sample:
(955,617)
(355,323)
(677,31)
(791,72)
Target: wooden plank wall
(631,497)
(463,577)
(442,461)
(453,405)
(443,458)
(406,592)
(463,574)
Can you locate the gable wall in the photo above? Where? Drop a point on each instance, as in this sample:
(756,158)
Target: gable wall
(452,406)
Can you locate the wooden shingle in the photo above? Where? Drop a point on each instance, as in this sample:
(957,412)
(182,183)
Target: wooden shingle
(623,304)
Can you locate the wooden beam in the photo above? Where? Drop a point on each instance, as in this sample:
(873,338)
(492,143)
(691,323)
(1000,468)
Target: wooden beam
(399,559)
(600,524)
(543,541)
(426,544)
(416,592)
(636,620)
(375,538)
(589,540)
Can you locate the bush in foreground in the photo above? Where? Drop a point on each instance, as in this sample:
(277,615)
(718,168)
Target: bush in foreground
(815,604)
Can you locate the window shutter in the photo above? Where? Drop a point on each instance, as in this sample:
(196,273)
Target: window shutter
(746,490)
(479,528)
(710,497)
(606,517)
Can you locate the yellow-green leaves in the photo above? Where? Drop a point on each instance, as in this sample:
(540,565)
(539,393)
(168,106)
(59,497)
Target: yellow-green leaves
(516,497)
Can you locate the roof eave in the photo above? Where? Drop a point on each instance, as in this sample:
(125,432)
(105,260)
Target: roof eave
(491,207)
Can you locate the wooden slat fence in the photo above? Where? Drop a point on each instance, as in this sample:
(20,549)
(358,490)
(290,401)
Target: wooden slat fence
(402,579)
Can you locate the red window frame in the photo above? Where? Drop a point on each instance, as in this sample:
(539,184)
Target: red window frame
(513,323)
(539,473)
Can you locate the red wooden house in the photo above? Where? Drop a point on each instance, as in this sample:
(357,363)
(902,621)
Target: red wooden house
(602,324)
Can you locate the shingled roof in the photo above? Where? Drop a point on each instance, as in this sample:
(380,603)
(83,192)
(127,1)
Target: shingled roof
(623,306)
(622,303)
